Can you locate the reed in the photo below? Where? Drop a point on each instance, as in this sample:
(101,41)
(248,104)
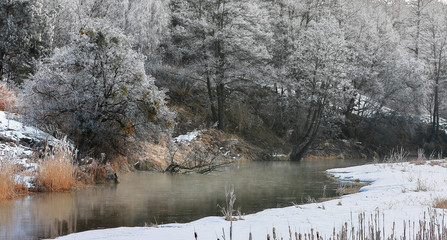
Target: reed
(397,156)
(9,188)
(56,171)
(7,185)
(230,198)
(373,227)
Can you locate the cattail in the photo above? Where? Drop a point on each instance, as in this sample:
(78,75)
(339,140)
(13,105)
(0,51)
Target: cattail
(268,236)
(250,237)
(195,235)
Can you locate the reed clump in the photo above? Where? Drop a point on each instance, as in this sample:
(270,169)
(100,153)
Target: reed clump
(56,171)
(9,189)
(230,198)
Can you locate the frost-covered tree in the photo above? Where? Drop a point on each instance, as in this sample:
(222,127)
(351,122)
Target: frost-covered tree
(222,43)
(435,48)
(25,35)
(317,70)
(96,90)
(145,21)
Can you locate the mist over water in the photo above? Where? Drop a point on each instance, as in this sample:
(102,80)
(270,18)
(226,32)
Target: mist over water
(156,198)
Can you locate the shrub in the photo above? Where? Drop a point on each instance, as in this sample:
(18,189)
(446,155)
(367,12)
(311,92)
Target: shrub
(96,91)
(56,171)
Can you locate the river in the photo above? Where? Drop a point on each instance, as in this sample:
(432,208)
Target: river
(155,198)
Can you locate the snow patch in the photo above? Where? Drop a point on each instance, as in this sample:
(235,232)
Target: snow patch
(187,137)
(15,141)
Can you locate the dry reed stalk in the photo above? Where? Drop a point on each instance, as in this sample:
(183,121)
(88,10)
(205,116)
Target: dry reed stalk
(230,198)
(7,184)
(431,227)
(57,172)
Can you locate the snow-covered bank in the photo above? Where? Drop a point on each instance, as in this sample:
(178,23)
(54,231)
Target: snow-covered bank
(20,144)
(400,191)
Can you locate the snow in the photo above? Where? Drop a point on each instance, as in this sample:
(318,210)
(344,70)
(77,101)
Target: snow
(398,191)
(12,149)
(16,130)
(187,137)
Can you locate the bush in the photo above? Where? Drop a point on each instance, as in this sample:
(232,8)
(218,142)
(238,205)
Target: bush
(96,91)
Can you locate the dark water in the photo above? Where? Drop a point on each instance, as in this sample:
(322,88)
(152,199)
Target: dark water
(145,197)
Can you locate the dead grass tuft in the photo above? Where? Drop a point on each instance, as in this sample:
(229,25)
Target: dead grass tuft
(94,173)
(440,203)
(57,172)
(9,189)
(7,100)
(7,185)
(418,162)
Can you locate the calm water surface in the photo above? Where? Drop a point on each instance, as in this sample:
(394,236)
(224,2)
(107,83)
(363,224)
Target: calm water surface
(145,197)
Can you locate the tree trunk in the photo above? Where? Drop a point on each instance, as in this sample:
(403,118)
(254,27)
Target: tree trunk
(300,149)
(435,117)
(220,106)
(211,97)
(2,54)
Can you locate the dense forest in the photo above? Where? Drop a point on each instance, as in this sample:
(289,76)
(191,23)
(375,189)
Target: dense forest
(286,76)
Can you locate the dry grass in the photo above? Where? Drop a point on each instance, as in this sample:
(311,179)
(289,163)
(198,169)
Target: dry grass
(230,198)
(7,100)
(418,162)
(440,203)
(9,189)
(311,157)
(371,227)
(57,172)
(397,155)
(7,184)
(91,174)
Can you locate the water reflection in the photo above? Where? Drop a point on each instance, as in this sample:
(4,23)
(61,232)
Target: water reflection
(144,197)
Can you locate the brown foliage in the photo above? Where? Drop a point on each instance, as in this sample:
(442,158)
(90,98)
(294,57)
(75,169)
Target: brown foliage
(440,203)
(7,100)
